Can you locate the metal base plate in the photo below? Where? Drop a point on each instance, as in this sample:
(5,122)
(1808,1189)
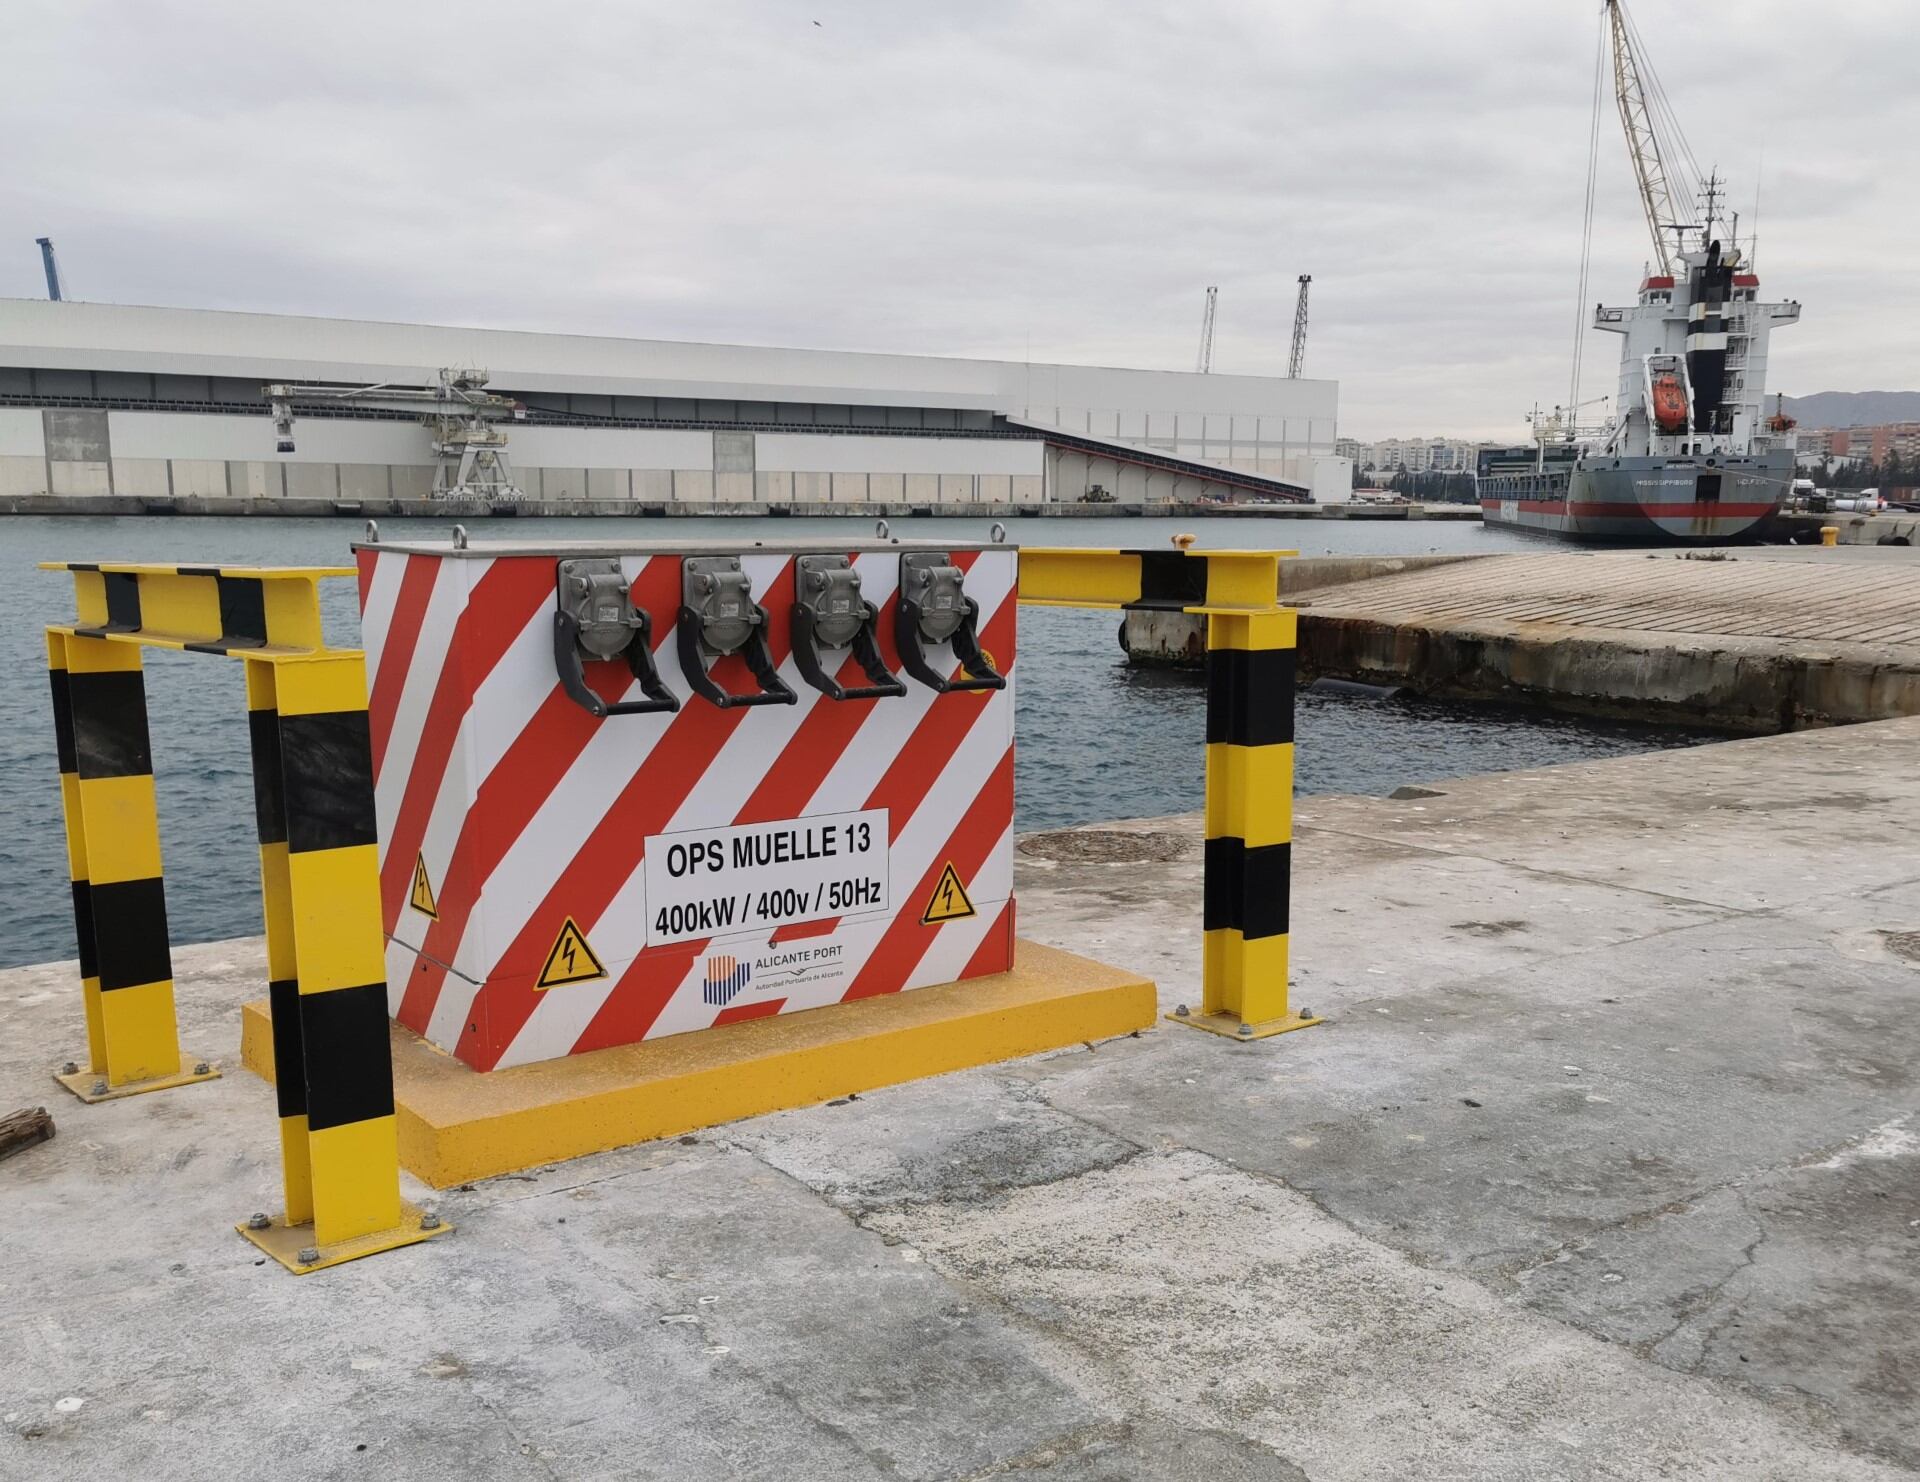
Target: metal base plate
(284,1242)
(81,1082)
(1232,1027)
(457,1124)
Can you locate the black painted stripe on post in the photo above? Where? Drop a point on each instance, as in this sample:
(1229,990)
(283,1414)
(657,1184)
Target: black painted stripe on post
(130,933)
(326,770)
(62,720)
(289,1063)
(1247,890)
(83,928)
(109,717)
(269,799)
(243,611)
(347,1056)
(1170,581)
(1250,696)
(123,601)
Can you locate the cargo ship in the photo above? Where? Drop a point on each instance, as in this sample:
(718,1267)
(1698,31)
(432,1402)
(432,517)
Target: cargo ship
(1688,455)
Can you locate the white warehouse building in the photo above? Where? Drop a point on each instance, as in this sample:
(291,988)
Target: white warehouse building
(167,407)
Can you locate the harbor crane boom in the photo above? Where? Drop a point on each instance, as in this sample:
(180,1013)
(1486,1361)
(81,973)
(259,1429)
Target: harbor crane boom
(1643,142)
(1203,363)
(1298,357)
(459,413)
(45,244)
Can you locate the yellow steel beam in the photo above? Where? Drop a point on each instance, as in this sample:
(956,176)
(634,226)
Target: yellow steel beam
(1196,581)
(241,611)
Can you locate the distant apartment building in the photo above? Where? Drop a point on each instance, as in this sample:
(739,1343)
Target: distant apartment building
(1411,454)
(1870,443)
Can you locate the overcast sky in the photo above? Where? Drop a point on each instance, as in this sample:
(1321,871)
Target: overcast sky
(1057,179)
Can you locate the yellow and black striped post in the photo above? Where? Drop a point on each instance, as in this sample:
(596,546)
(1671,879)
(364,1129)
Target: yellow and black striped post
(1249,804)
(1249,821)
(113,859)
(313,796)
(319,873)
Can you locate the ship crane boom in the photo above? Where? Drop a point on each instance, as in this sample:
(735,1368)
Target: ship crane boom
(1643,142)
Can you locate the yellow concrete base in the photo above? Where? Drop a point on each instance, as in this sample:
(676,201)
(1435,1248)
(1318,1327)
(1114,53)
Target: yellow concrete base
(458,1124)
(1233,1027)
(82,1082)
(287,1243)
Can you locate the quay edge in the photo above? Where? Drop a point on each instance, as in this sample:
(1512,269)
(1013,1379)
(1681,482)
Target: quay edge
(1774,639)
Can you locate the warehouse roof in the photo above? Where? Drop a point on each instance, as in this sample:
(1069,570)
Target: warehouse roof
(68,335)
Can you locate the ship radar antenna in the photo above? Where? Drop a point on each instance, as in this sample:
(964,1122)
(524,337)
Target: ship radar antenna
(1711,189)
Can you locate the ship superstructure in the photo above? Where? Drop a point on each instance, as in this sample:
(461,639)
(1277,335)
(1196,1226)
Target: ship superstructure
(1690,452)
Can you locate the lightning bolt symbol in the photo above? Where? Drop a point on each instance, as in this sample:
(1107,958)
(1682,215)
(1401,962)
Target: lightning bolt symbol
(568,950)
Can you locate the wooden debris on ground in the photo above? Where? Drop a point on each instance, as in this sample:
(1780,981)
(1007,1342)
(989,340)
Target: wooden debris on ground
(22,1129)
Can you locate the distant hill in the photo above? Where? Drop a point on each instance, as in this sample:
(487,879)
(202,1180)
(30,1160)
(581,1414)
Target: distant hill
(1854,408)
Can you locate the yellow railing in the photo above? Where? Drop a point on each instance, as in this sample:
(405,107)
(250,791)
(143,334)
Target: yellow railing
(313,794)
(1249,802)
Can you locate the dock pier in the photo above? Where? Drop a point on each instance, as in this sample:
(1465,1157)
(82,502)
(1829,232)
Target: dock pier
(1603,1167)
(1762,639)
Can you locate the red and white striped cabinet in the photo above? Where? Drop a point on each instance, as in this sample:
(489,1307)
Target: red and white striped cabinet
(787,787)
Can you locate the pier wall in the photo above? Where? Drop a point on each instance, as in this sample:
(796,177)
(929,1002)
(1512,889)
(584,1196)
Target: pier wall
(1743,686)
(1774,640)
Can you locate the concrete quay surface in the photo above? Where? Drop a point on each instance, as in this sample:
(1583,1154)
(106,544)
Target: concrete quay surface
(1887,527)
(1606,1166)
(1759,640)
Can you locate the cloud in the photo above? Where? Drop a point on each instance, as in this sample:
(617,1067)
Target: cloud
(1059,179)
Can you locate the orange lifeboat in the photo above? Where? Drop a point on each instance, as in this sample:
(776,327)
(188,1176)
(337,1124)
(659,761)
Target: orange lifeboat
(1669,403)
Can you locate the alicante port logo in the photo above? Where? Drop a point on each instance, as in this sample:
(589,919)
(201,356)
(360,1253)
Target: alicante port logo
(726,976)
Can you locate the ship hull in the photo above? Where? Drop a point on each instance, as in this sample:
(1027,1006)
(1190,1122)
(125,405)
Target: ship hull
(1653,501)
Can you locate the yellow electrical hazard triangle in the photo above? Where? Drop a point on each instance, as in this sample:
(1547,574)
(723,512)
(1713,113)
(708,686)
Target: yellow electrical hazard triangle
(949,901)
(571,960)
(422,898)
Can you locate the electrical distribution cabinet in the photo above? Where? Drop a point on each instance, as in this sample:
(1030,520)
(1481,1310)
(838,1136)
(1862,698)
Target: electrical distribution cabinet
(627,791)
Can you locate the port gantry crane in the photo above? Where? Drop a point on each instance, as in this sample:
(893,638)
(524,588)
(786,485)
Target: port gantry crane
(1298,357)
(47,261)
(1203,363)
(460,415)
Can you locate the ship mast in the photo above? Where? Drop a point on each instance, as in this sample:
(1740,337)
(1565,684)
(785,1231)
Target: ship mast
(1643,143)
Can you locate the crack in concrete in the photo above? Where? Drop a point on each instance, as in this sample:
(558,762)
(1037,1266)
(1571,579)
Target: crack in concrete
(1081,1439)
(470,1383)
(1691,1303)
(1564,876)
(1055,1448)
